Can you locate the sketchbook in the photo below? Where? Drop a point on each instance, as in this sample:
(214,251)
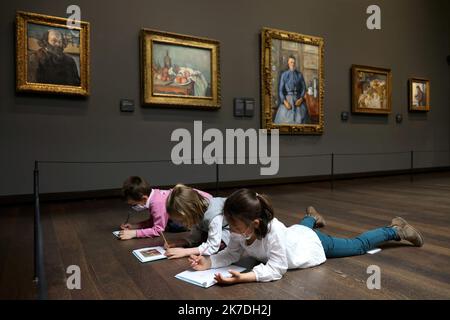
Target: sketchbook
(205,278)
(150,254)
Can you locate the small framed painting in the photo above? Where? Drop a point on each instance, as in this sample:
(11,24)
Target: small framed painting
(419,94)
(179,70)
(52,56)
(371,90)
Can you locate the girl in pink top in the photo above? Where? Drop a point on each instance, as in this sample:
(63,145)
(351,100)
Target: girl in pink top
(138,194)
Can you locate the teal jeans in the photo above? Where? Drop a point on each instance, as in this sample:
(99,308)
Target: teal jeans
(346,247)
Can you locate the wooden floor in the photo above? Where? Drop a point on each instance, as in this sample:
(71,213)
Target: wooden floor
(79,233)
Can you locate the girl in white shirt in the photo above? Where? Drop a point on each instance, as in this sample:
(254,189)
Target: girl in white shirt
(209,229)
(256,231)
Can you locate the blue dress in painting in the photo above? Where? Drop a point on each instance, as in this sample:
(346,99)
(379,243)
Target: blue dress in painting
(292,87)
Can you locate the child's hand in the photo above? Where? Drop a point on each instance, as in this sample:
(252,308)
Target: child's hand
(126,226)
(175,253)
(127,234)
(236,277)
(199,262)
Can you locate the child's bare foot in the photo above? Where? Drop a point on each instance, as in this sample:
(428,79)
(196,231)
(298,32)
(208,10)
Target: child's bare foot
(312,212)
(407,232)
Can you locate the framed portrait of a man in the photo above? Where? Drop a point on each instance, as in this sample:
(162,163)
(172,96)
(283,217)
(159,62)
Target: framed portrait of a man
(179,70)
(292,82)
(371,90)
(52,55)
(419,94)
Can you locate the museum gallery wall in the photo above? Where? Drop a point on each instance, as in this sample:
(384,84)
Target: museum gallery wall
(182,69)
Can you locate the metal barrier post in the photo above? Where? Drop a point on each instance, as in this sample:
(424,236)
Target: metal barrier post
(39,272)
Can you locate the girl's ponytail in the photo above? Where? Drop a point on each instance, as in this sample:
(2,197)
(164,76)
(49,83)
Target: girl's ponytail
(266,214)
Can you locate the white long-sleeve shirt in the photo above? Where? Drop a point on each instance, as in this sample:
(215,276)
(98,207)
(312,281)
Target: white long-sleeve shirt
(281,249)
(216,234)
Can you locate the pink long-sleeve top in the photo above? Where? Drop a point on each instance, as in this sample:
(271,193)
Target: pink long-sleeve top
(159,216)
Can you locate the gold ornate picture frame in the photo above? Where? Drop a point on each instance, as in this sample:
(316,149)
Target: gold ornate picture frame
(51,57)
(292,78)
(371,89)
(179,70)
(419,94)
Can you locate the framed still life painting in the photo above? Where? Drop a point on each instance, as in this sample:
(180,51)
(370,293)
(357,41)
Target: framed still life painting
(292,82)
(52,55)
(371,90)
(179,70)
(419,94)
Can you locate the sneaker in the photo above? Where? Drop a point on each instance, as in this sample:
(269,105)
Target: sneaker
(407,232)
(312,212)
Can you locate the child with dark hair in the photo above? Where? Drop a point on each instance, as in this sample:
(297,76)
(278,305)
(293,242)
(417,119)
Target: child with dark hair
(138,193)
(255,231)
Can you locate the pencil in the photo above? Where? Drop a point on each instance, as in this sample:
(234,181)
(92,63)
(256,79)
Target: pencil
(128,218)
(165,240)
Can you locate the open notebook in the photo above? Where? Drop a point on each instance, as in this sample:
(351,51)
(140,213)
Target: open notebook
(205,278)
(150,254)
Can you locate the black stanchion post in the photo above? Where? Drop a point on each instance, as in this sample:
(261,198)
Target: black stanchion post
(36,214)
(411,170)
(39,272)
(332,170)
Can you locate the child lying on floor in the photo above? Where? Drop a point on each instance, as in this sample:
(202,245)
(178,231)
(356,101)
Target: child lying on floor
(204,216)
(137,193)
(255,231)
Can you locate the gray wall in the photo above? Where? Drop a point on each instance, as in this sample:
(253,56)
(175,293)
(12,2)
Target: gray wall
(414,41)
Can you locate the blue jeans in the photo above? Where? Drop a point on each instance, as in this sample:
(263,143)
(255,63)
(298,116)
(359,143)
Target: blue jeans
(346,247)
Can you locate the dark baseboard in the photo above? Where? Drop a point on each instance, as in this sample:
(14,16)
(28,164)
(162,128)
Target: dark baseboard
(211,186)
(322,178)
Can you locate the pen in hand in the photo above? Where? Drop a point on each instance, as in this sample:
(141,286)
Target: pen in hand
(195,261)
(128,218)
(124,226)
(165,240)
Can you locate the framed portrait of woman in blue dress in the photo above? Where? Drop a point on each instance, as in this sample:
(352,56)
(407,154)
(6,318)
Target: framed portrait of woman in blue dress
(292,82)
